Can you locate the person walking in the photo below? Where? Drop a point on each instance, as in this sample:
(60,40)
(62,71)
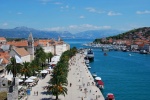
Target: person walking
(37,93)
(70,84)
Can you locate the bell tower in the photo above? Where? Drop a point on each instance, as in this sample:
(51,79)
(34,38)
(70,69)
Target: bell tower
(30,47)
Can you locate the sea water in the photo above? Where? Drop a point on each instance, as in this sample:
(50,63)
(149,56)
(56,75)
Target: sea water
(125,74)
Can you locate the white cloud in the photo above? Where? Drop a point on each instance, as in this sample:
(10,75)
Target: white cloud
(67,6)
(78,28)
(93,10)
(143,12)
(19,13)
(82,17)
(5,24)
(111,13)
(58,3)
(45,1)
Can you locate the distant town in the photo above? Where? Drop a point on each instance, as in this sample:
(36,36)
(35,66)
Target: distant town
(137,40)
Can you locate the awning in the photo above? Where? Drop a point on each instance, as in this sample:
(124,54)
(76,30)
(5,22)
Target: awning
(29,80)
(100,82)
(44,71)
(33,77)
(1,68)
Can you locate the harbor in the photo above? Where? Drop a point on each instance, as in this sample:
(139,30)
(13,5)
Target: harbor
(125,74)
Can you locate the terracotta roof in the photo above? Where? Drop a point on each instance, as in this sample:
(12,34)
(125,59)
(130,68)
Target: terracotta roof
(5,54)
(23,43)
(2,39)
(5,61)
(21,51)
(18,43)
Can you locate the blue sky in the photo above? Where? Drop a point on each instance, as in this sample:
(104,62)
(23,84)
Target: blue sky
(75,15)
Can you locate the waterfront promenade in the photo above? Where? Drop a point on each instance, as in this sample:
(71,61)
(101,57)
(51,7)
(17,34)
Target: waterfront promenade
(81,84)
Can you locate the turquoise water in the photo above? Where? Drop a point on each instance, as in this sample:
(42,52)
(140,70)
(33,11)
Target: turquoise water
(127,77)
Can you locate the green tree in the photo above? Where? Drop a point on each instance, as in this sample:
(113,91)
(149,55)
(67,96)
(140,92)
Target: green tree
(40,57)
(49,56)
(26,69)
(13,67)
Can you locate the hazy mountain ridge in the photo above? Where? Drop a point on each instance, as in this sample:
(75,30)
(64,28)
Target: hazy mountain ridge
(23,32)
(97,33)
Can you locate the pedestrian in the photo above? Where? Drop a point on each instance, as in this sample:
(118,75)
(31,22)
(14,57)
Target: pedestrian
(34,92)
(37,93)
(70,84)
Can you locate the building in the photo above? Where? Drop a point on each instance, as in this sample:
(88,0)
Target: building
(21,53)
(2,40)
(48,45)
(146,47)
(30,47)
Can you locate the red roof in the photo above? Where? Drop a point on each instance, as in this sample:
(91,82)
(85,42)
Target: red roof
(110,96)
(100,82)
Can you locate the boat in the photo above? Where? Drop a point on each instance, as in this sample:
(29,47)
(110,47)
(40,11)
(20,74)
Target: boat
(94,75)
(86,60)
(88,67)
(90,54)
(100,84)
(105,54)
(143,52)
(105,49)
(110,96)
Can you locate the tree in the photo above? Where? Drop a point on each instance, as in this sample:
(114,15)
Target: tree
(40,56)
(58,83)
(34,67)
(60,72)
(26,69)
(13,67)
(49,56)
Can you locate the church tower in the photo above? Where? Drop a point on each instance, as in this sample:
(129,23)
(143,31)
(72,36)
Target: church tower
(30,47)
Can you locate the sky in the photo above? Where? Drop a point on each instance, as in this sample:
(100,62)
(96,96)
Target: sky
(75,15)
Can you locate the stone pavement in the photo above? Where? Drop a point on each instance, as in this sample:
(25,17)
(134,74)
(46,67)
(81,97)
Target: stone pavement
(82,85)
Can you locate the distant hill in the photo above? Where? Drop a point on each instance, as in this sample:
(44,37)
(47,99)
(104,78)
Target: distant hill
(92,34)
(23,32)
(139,33)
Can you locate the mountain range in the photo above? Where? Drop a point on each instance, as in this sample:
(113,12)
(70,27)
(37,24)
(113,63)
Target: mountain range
(23,32)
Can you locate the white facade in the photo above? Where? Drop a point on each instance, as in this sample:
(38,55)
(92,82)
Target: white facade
(26,58)
(48,49)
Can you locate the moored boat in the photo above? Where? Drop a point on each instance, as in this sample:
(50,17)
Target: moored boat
(110,96)
(90,54)
(86,60)
(100,84)
(94,75)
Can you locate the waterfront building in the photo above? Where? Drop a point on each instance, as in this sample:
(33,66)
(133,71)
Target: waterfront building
(134,47)
(146,47)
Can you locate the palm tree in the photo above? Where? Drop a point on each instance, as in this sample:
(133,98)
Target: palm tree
(26,69)
(13,67)
(58,83)
(40,57)
(34,67)
(49,56)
